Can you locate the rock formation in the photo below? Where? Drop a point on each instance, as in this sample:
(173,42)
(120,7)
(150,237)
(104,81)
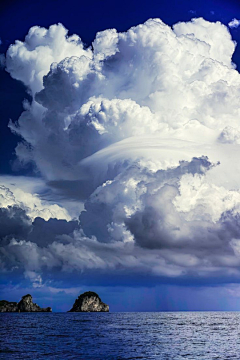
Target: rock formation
(89,302)
(24,305)
(7,306)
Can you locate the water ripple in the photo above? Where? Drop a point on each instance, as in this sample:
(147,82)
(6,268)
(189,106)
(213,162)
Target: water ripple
(120,336)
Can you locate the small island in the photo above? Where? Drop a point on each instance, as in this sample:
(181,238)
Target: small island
(89,302)
(25,305)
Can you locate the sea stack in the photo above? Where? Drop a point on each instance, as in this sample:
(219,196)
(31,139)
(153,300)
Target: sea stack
(89,302)
(25,305)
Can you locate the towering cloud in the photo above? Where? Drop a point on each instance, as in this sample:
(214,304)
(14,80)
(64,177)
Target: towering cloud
(143,127)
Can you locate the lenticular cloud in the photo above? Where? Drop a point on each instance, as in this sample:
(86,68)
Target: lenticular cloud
(144,125)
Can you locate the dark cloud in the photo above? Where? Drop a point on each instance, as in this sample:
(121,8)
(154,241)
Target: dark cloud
(45,232)
(14,222)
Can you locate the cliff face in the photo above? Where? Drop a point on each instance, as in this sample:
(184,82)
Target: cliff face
(24,305)
(6,306)
(89,302)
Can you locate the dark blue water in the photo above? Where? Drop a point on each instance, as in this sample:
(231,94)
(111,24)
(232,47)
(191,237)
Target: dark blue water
(120,336)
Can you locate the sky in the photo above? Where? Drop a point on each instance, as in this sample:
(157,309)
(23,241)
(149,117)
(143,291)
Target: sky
(119,156)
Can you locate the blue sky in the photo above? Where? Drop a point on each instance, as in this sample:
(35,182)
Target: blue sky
(119,167)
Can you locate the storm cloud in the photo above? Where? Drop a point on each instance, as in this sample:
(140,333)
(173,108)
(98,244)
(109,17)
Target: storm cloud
(143,127)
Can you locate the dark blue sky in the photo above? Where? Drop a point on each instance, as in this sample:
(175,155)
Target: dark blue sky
(86,18)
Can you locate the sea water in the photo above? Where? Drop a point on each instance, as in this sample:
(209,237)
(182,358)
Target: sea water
(178,335)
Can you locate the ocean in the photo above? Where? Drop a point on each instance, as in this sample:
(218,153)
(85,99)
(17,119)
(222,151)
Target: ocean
(116,336)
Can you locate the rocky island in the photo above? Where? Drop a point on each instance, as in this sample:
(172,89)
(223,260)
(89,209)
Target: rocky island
(89,302)
(25,305)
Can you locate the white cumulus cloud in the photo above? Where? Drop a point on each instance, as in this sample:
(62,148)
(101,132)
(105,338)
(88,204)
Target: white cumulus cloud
(33,206)
(143,126)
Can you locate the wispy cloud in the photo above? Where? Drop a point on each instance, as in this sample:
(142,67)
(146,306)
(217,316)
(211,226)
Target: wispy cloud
(234,23)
